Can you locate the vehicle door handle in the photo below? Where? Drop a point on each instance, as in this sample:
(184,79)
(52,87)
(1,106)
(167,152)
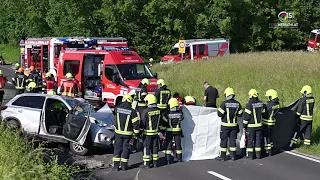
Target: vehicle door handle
(20,111)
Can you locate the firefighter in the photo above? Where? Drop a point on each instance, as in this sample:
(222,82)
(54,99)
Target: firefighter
(51,92)
(17,66)
(252,124)
(163,94)
(3,81)
(34,77)
(269,119)
(189,100)
(151,118)
(172,121)
(127,125)
(69,87)
(140,94)
(305,117)
(49,84)
(229,111)
(40,84)
(32,87)
(180,100)
(20,81)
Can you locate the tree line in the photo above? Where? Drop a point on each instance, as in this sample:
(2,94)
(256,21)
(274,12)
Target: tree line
(153,26)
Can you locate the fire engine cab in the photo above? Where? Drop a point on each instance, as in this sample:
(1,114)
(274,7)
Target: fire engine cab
(43,53)
(197,49)
(105,75)
(314,40)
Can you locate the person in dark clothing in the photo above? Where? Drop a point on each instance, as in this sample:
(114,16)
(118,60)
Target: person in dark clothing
(17,67)
(127,125)
(34,77)
(20,81)
(3,81)
(269,119)
(140,94)
(252,124)
(163,94)
(229,111)
(151,118)
(210,95)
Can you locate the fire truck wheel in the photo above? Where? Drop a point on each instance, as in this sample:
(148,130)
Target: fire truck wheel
(78,149)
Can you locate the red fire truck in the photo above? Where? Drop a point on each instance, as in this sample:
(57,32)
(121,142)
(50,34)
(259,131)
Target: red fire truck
(44,53)
(197,49)
(105,75)
(314,40)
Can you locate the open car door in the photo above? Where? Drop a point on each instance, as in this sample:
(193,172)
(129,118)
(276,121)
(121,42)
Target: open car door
(76,128)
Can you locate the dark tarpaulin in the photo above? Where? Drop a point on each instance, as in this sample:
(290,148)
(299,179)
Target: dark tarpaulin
(284,128)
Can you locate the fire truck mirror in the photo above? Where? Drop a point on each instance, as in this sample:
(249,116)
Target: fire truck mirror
(155,75)
(57,50)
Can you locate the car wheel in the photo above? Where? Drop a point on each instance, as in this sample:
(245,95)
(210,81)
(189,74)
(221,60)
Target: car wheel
(12,125)
(78,149)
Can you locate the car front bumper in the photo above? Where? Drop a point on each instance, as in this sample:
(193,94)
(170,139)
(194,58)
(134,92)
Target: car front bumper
(104,138)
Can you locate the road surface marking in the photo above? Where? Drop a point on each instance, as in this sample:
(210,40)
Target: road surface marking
(218,175)
(302,156)
(9,82)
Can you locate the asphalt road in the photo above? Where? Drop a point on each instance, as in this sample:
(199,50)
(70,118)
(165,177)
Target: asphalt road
(283,166)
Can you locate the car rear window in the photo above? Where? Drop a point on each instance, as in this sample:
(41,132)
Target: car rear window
(30,101)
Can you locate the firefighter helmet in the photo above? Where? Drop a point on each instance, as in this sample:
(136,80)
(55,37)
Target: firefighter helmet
(189,100)
(151,59)
(51,92)
(145,81)
(253,93)
(127,98)
(272,94)
(306,90)
(229,91)
(161,82)
(69,75)
(17,65)
(32,85)
(0,72)
(48,74)
(173,102)
(150,99)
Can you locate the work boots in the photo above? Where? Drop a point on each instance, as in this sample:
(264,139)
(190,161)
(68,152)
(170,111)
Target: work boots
(250,155)
(233,155)
(116,166)
(168,158)
(258,155)
(222,157)
(155,164)
(124,166)
(179,157)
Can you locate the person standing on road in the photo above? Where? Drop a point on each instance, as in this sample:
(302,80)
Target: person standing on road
(163,94)
(151,118)
(210,95)
(34,77)
(252,124)
(20,81)
(229,111)
(305,117)
(172,123)
(70,87)
(3,81)
(39,80)
(49,84)
(269,119)
(127,124)
(17,66)
(140,94)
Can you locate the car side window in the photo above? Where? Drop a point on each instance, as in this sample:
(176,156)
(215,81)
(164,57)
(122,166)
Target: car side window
(30,102)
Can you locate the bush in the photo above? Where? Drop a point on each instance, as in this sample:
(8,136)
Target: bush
(9,53)
(286,72)
(19,160)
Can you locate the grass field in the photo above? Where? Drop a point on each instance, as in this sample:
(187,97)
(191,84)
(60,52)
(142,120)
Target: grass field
(286,72)
(10,54)
(19,160)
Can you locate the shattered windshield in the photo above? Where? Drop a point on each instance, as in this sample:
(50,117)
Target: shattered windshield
(134,71)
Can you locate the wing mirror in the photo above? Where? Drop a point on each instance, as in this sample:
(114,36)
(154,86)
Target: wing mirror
(155,75)
(57,50)
(116,78)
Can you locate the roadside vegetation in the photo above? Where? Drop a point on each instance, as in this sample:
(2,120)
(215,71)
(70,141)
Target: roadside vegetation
(286,72)
(19,160)
(9,53)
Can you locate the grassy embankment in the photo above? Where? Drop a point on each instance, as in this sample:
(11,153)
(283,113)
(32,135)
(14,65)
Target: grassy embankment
(19,160)
(10,54)
(286,72)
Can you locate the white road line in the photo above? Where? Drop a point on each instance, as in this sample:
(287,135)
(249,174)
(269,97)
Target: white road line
(302,156)
(9,82)
(218,175)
